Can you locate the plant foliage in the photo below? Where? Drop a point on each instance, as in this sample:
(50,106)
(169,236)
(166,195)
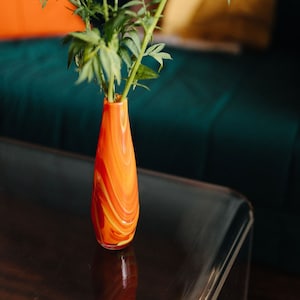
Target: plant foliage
(123,38)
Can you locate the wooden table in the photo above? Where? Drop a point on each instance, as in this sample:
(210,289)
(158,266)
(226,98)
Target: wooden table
(192,242)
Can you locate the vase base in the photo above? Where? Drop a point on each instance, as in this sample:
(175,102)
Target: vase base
(114,246)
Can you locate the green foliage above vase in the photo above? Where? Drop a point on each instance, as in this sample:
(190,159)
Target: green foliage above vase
(122,39)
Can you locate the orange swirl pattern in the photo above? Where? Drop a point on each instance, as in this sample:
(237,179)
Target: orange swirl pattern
(115,201)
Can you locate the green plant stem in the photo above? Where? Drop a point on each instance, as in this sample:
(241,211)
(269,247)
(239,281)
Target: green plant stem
(110,93)
(88,23)
(146,40)
(105,6)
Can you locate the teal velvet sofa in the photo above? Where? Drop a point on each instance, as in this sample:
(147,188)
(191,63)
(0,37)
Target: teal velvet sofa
(228,119)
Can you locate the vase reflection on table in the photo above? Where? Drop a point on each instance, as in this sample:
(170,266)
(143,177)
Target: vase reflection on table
(115,274)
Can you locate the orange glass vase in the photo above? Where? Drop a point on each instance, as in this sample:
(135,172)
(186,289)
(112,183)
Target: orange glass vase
(115,200)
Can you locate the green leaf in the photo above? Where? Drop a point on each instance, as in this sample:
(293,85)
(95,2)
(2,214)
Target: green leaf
(145,73)
(131,14)
(115,24)
(44,3)
(159,57)
(97,69)
(79,11)
(132,3)
(75,2)
(147,22)
(154,48)
(134,36)
(75,49)
(131,46)
(111,63)
(86,73)
(89,36)
(155,52)
(141,85)
(73,53)
(125,57)
(141,12)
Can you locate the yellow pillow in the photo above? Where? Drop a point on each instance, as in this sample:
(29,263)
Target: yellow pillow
(26,18)
(246,21)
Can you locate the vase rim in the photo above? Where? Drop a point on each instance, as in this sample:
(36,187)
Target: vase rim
(115,102)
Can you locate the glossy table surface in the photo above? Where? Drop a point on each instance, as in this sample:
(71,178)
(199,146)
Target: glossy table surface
(188,236)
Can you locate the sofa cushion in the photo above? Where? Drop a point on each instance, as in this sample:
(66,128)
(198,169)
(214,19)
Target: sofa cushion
(229,116)
(247,22)
(175,119)
(23,19)
(39,101)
